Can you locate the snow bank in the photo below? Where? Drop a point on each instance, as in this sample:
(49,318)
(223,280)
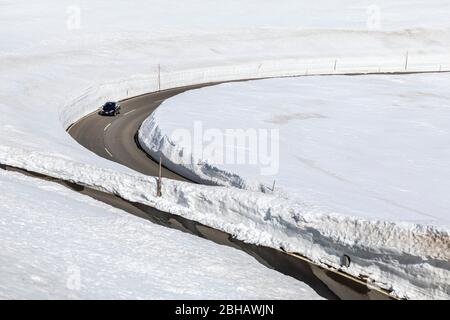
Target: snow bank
(114,255)
(395,126)
(373,152)
(314,52)
(403,260)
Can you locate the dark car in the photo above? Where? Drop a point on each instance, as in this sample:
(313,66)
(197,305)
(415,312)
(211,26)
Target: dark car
(110,109)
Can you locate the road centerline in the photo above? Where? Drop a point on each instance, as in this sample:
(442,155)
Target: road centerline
(129,112)
(107,126)
(107,151)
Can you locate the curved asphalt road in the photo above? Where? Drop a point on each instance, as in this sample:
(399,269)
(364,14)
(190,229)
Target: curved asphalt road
(113,138)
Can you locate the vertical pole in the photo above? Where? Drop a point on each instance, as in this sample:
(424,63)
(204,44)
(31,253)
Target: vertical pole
(406,61)
(158,185)
(335,64)
(159,77)
(273,186)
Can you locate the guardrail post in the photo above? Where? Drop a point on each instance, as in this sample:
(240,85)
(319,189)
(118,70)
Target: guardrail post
(406,61)
(158,182)
(159,77)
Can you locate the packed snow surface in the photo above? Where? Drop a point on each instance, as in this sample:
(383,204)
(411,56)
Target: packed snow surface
(73,247)
(61,59)
(369,146)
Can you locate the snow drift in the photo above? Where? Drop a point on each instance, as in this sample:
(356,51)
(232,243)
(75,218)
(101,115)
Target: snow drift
(402,260)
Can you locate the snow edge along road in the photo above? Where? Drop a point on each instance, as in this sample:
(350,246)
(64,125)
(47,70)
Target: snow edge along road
(329,284)
(369,230)
(183,199)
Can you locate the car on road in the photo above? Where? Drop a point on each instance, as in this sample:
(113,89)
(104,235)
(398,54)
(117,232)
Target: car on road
(110,109)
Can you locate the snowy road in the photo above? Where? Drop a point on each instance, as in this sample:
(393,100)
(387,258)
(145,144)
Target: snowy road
(64,58)
(113,138)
